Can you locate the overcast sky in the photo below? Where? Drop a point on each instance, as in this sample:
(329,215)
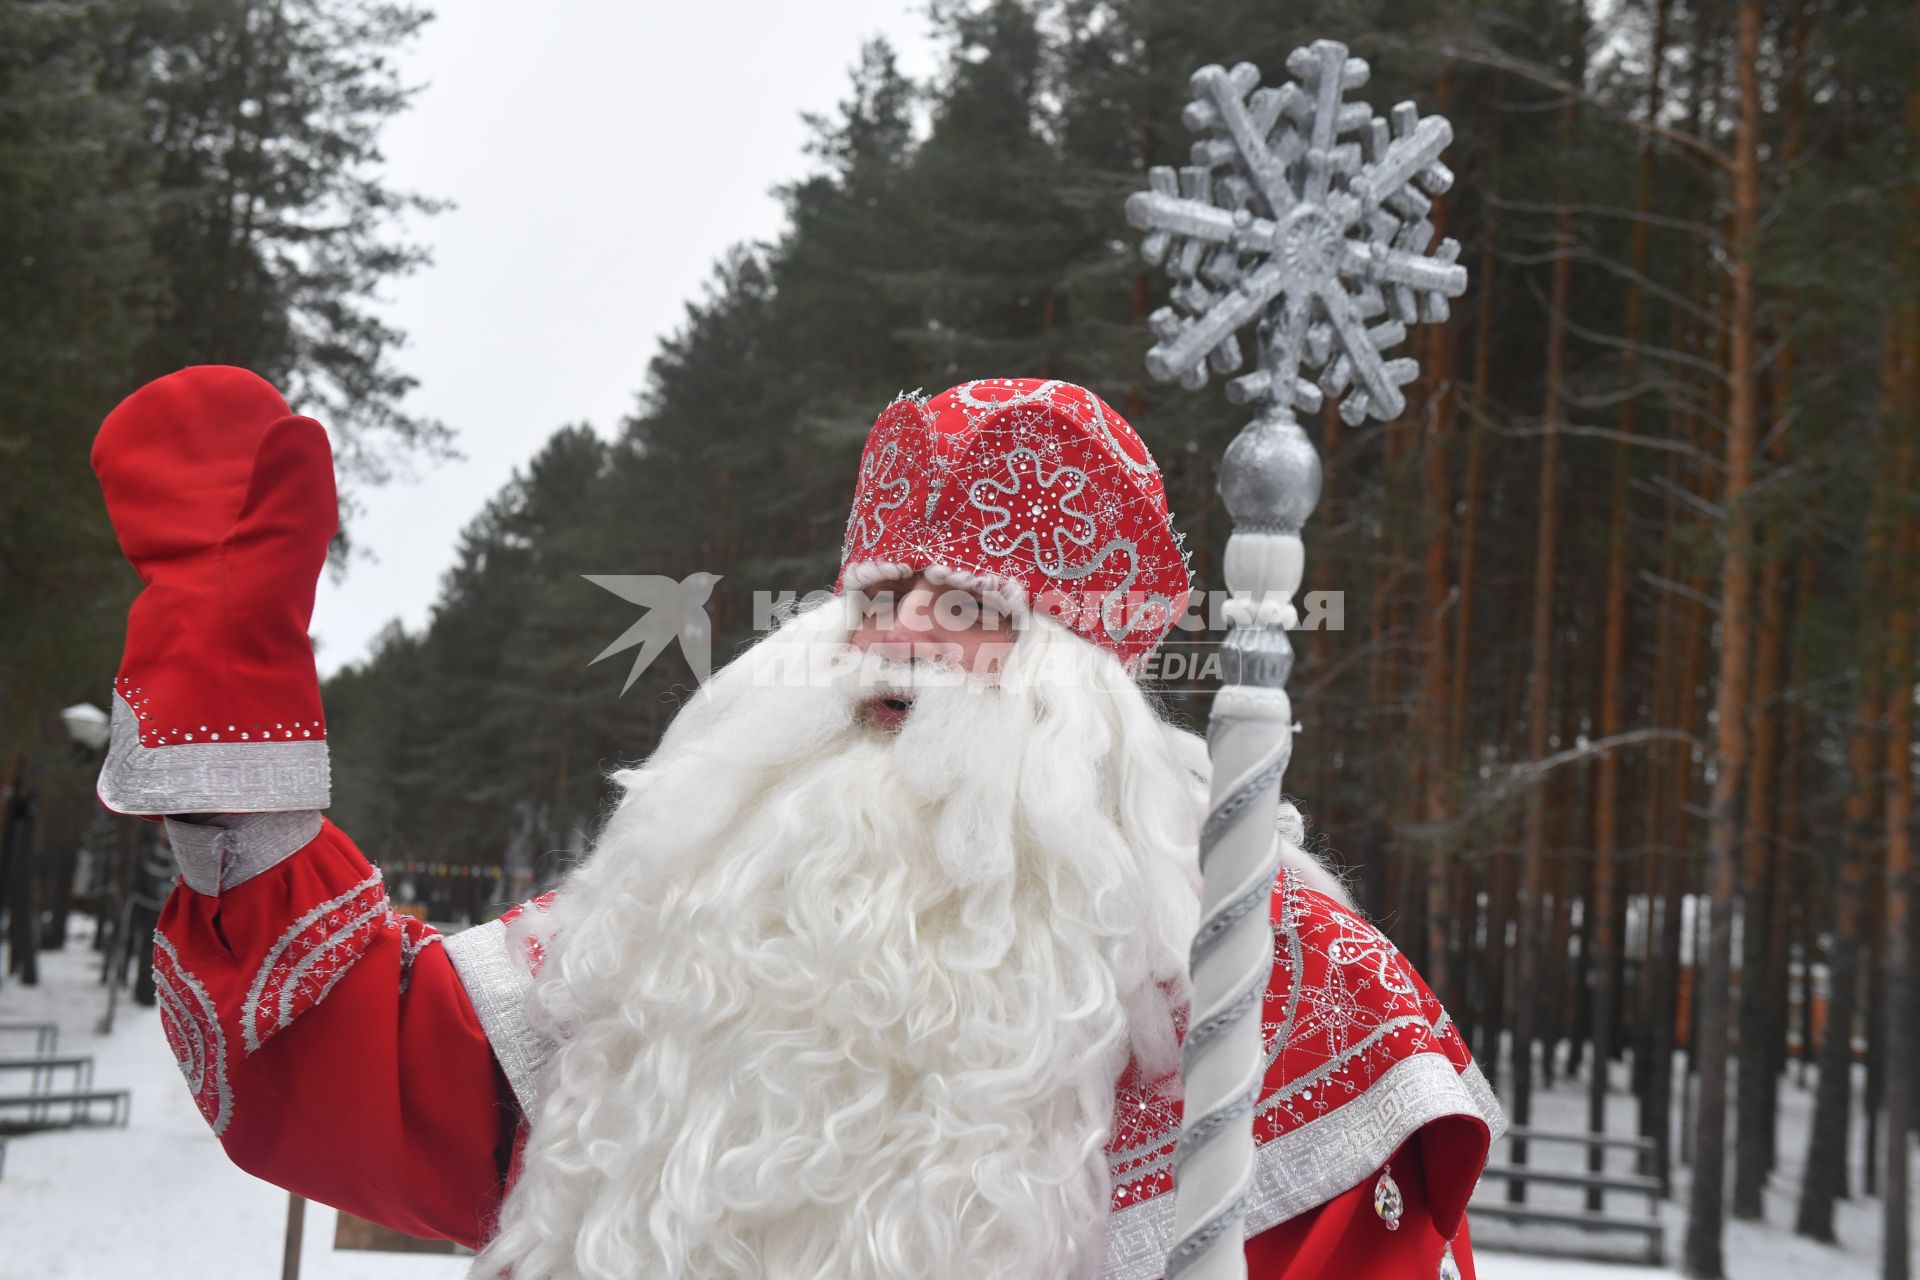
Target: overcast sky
(602,157)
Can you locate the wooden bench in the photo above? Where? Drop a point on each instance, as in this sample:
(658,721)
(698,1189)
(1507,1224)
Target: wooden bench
(1518,1175)
(46,1035)
(79,1107)
(44,1070)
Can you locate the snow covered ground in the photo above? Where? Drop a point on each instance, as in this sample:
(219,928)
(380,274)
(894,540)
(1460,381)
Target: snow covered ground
(158,1200)
(1765,1250)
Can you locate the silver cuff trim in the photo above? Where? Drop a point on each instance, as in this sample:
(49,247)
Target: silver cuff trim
(1317,1161)
(1485,1101)
(209,777)
(219,852)
(500,984)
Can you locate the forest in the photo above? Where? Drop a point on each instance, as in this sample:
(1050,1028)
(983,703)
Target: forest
(1618,739)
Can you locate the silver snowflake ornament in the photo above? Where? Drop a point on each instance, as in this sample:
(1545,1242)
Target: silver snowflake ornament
(1306,214)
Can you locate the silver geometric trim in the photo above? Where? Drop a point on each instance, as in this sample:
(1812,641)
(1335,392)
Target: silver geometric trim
(1319,1160)
(222,851)
(209,777)
(499,986)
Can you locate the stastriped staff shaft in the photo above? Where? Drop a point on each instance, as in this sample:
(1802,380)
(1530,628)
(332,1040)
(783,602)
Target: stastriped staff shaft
(1270,481)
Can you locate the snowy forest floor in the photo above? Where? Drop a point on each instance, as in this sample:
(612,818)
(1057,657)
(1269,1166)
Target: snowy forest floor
(1765,1250)
(159,1199)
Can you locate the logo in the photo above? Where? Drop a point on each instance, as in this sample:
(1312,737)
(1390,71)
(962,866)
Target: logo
(674,611)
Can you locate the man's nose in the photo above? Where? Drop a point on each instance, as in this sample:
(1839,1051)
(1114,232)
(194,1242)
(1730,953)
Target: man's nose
(912,619)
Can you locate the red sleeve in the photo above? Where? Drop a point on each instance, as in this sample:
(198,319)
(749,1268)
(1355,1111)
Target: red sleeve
(330,1045)
(1345,1237)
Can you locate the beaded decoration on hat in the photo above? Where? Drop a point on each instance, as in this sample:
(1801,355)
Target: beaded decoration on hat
(1034,493)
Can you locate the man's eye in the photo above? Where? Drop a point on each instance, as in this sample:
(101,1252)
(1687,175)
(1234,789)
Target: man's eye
(960,609)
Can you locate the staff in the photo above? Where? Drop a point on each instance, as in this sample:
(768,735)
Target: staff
(1314,228)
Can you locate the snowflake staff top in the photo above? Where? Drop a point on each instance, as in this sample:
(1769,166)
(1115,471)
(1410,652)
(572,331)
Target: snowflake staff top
(1317,228)
(1318,231)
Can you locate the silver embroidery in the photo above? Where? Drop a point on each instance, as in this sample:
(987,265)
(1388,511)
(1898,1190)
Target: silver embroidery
(192,1027)
(409,949)
(1336,1143)
(275,992)
(865,526)
(499,983)
(1311,1165)
(1024,468)
(227,850)
(1030,531)
(1142,467)
(208,777)
(1365,946)
(963,394)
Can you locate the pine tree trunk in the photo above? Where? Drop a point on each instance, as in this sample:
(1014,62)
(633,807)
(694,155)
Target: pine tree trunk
(1795,824)
(1489,1005)
(1705,1220)
(1436,772)
(1904,566)
(1387,698)
(1752,1136)
(1825,1180)
(1827,1175)
(1557,972)
(1606,830)
(1540,671)
(1675,816)
(1697,626)
(1787,902)
(1789,820)
(1663,763)
(1873,1098)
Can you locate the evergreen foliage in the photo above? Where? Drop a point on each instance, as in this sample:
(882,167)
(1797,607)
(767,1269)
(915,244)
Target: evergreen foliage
(200,180)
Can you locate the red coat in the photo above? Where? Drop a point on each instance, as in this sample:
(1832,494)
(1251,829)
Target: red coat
(342,1051)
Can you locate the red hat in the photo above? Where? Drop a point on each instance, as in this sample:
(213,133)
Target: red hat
(224,502)
(1036,492)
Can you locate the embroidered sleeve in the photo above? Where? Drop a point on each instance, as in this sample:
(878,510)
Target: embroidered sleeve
(326,1039)
(1360,1059)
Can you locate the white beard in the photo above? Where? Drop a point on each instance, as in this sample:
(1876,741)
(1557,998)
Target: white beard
(836,1004)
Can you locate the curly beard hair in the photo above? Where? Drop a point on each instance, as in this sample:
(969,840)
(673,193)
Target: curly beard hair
(839,1004)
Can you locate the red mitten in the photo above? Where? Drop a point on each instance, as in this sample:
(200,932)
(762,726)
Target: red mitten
(224,502)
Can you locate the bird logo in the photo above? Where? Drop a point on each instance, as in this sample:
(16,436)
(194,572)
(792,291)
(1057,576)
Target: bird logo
(674,610)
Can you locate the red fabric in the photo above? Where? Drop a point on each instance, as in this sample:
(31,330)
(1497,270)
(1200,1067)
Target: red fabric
(1037,485)
(329,1042)
(374,1089)
(1343,1008)
(223,501)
